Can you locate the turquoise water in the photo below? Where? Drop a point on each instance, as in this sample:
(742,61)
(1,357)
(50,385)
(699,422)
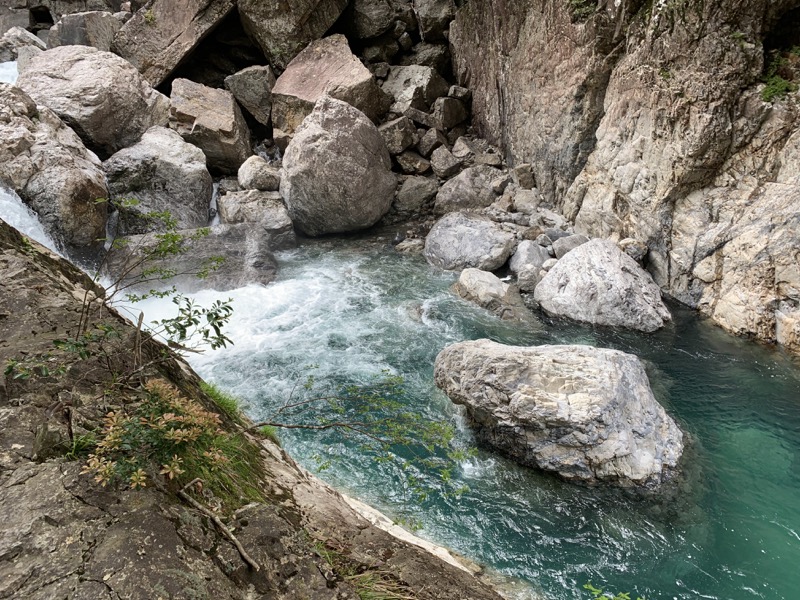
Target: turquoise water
(730,531)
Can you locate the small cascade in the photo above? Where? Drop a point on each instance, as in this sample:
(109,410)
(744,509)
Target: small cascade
(14,212)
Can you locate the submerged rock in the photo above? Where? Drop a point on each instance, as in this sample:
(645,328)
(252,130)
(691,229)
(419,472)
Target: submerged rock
(100,95)
(46,163)
(162,173)
(587,414)
(337,172)
(598,283)
(459,240)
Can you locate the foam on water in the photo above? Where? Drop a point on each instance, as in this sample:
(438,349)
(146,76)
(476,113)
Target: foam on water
(8,72)
(14,212)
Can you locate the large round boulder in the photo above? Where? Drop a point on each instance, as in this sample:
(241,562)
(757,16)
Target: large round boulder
(460,240)
(597,283)
(100,95)
(52,171)
(587,414)
(336,171)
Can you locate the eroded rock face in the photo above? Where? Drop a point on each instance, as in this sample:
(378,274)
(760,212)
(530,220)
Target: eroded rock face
(162,173)
(587,414)
(336,171)
(46,163)
(284,30)
(598,283)
(98,94)
(460,240)
(326,66)
(156,40)
(210,119)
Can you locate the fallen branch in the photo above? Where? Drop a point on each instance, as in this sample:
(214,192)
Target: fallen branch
(222,527)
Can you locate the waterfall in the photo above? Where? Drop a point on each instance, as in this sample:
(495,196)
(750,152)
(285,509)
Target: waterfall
(14,212)
(8,72)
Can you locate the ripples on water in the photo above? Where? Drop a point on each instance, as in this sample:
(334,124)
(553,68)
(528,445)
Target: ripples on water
(729,532)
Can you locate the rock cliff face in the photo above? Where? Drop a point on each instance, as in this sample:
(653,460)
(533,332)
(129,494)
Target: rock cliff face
(646,120)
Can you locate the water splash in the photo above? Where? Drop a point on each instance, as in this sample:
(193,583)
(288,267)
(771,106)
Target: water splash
(14,212)
(8,72)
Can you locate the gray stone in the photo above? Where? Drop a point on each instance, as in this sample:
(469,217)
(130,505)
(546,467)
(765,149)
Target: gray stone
(487,291)
(257,174)
(459,240)
(415,193)
(383,50)
(523,176)
(283,30)
(46,163)
(420,117)
(444,164)
(470,189)
(527,263)
(336,172)
(266,209)
(156,40)
(16,38)
(434,18)
(636,249)
(100,95)
(586,414)
(430,141)
(412,163)
(449,112)
(252,88)
(210,119)
(369,18)
(413,87)
(435,56)
(460,93)
(326,66)
(162,173)
(93,28)
(405,42)
(13,13)
(597,283)
(499,185)
(565,244)
(526,201)
(398,134)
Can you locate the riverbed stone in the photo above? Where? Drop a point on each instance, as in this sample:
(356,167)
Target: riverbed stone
(252,88)
(460,240)
(210,119)
(597,283)
(266,209)
(326,66)
(470,189)
(46,163)
(100,95)
(567,243)
(336,171)
(257,174)
(488,291)
(587,414)
(527,263)
(415,193)
(162,173)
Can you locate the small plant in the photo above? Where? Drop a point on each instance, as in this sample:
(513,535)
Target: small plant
(149,17)
(665,74)
(599,593)
(581,10)
(779,75)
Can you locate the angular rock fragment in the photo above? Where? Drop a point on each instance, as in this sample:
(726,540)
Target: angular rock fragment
(92,28)
(470,189)
(252,88)
(257,174)
(459,240)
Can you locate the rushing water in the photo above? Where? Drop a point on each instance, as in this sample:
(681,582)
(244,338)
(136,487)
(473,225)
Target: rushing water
(732,530)
(19,216)
(8,72)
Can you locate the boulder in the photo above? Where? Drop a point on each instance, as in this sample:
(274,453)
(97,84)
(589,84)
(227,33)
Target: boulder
(413,87)
(488,291)
(265,209)
(415,193)
(599,284)
(282,30)
(252,88)
(95,28)
(162,173)
(210,119)
(336,171)
(412,163)
(568,243)
(244,250)
(443,163)
(470,189)
(368,18)
(449,112)
(398,134)
(14,39)
(257,174)
(158,39)
(459,240)
(587,414)
(527,263)
(46,163)
(434,18)
(13,14)
(100,95)
(326,66)
(523,176)
(430,141)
